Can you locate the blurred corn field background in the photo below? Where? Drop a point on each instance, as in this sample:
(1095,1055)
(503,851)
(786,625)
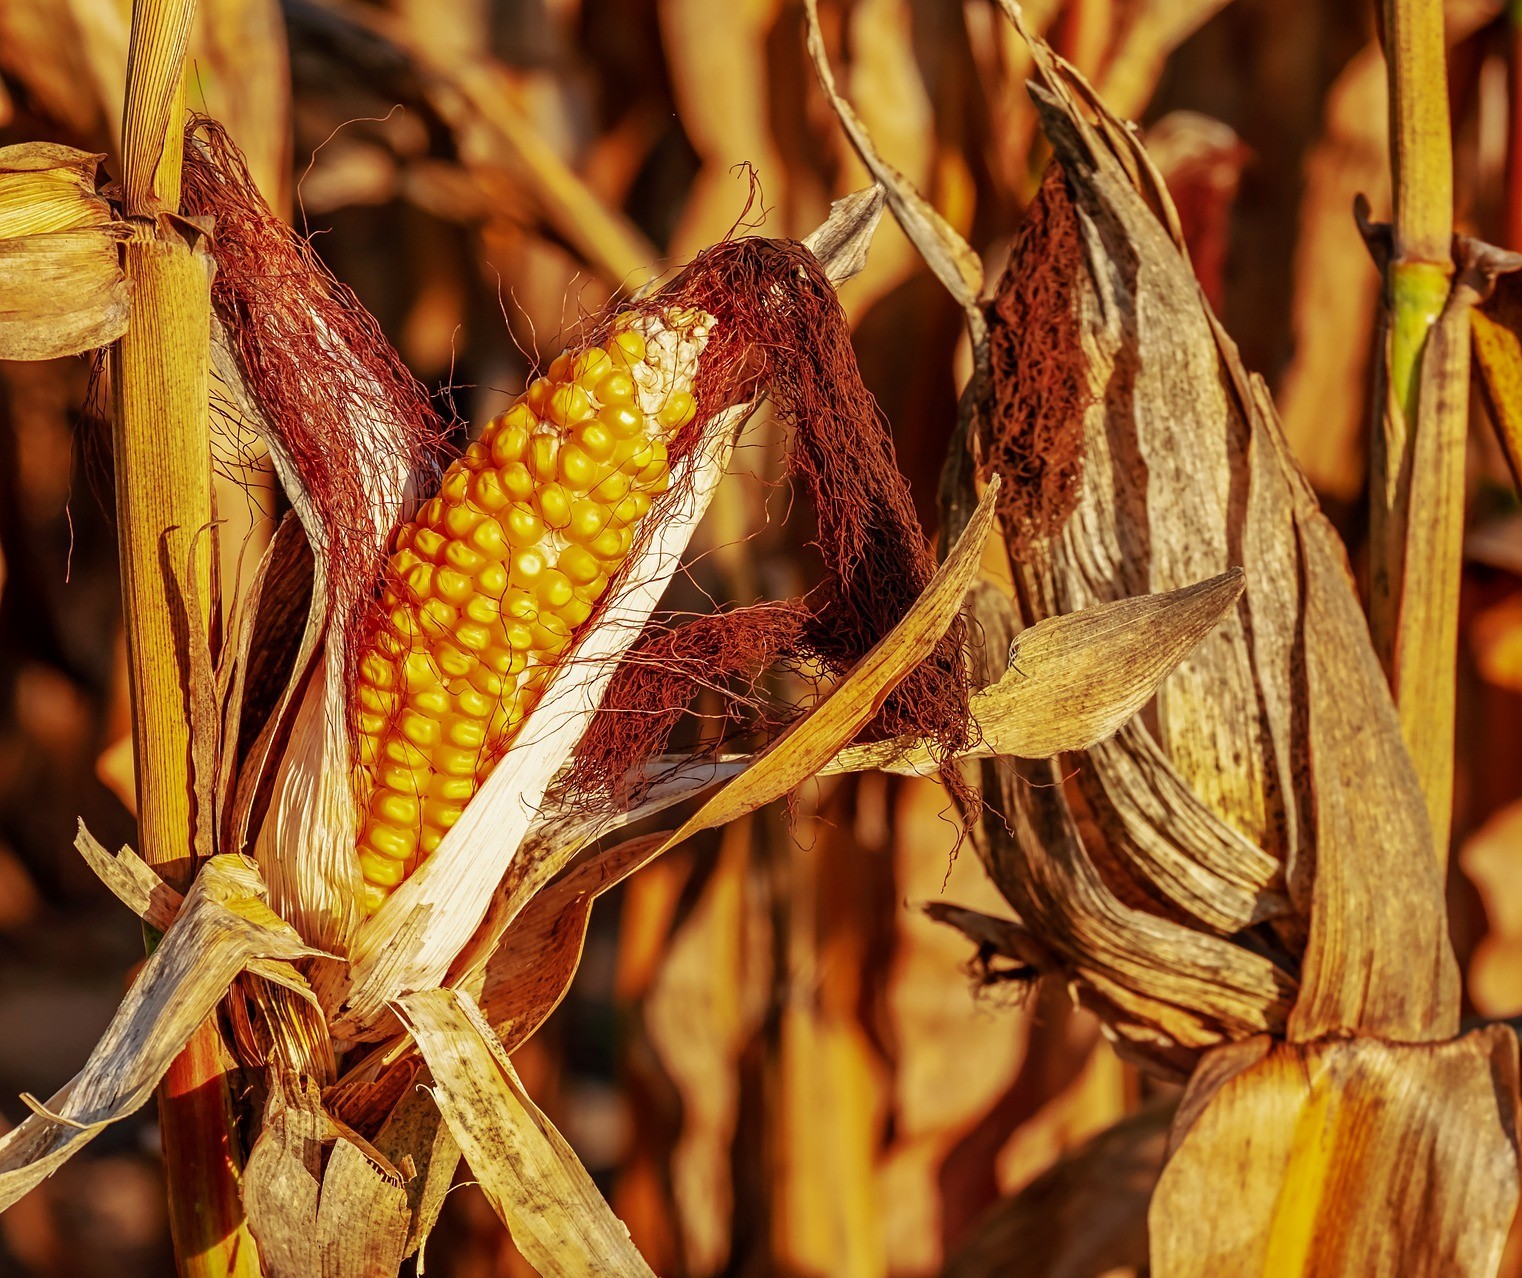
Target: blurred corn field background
(772,1059)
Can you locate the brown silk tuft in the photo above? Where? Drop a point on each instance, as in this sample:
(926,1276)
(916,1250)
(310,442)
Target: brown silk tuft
(1035,439)
(316,361)
(779,326)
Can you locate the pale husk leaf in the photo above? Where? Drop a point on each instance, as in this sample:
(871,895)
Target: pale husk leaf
(531,1176)
(223,925)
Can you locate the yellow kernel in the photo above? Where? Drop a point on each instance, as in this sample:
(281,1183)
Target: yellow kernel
(422,731)
(630,344)
(452,662)
(430,512)
(462,558)
(432,702)
(428,543)
(489,537)
(418,671)
(452,586)
(579,565)
(623,421)
(569,404)
(476,456)
(537,397)
(381,701)
(577,469)
(375,896)
(523,527)
(555,506)
(373,722)
(612,488)
(390,840)
(460,519)
(595,440)
(405,560)
(679,410)
(560,368)
(375,670)
(449,789)
(591,365)
(420,581)
(486,682)
(527,565)
(396,809)
(541,457)
(480,609)
(520,638)
(616,388)
(574,611)
(593,590)
(455,485)
(394,775)
(551,634)
(437,616)
(430,840)
(655,478)
(588,518)
(476,704)
(632,508)
(455,762)
(468,734)
(611,545)
(487,492)
(473,635)
(520,605)
(517,481)
(381,872)
(554,589)
(491,581)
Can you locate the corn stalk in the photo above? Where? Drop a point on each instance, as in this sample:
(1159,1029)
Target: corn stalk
(1417,488)
(161,438)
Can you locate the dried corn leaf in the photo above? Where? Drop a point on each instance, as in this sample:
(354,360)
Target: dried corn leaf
(536,1184)
(45,187)
(1084,1217)
(952,259)
(343,1216)
(222,926)
(1344,1157)
(1073,680)
(1186,473)
(415,1136)
(527,975)
(63,293)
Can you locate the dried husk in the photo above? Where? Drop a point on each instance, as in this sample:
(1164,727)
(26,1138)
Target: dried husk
(61,278)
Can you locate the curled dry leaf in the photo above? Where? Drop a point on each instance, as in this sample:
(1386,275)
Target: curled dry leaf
(1185,474)
(1344,1157)
(223,925)
(61,278)
(532,1177)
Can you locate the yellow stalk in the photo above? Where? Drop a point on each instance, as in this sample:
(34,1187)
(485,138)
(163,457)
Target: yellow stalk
(161,435)
(1417,487)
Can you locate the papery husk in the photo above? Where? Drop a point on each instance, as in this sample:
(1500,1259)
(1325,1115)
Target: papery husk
(223,925)
(1185,471)
(62,288)
(1344,1157)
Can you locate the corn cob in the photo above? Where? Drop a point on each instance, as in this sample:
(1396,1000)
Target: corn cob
(488,584)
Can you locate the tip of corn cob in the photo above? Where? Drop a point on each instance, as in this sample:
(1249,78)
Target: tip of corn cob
(491,579)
